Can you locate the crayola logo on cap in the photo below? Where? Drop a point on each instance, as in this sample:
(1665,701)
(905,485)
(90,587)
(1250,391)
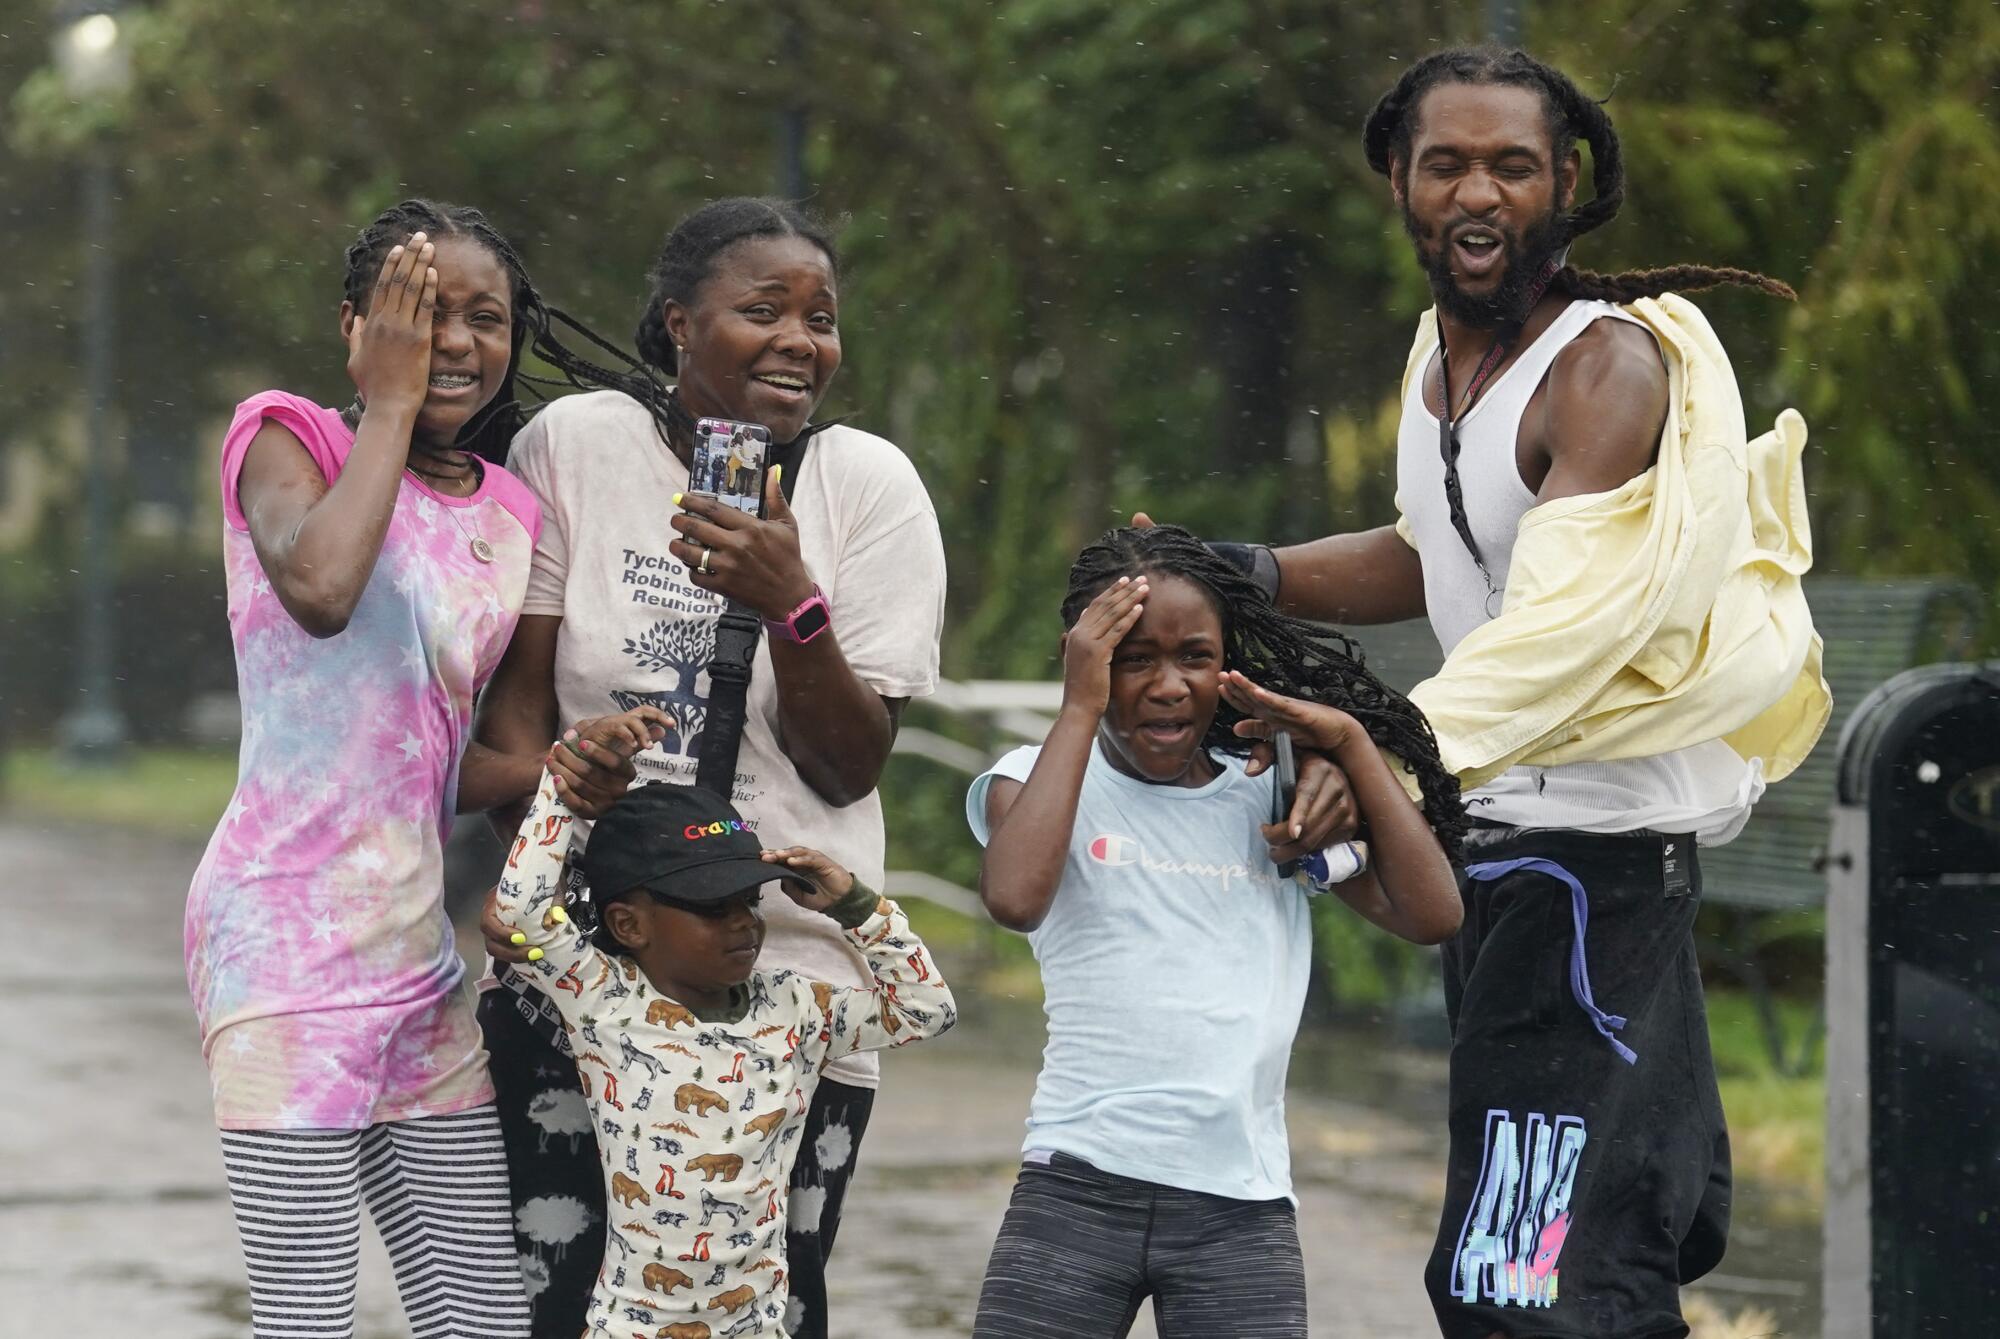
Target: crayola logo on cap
(720,828)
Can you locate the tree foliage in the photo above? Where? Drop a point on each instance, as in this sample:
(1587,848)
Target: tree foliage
(1101,254)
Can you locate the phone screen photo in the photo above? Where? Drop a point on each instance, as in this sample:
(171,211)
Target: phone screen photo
(729,463)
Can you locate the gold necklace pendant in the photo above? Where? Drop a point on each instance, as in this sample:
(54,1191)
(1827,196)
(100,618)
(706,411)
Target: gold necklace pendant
(481,550)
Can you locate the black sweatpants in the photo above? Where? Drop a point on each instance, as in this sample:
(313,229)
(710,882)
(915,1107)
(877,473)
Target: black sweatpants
(556,1175)
(1589,1167)
(1079,1250)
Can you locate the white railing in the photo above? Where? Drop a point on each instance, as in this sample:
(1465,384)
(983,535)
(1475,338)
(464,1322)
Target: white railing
(1021,708)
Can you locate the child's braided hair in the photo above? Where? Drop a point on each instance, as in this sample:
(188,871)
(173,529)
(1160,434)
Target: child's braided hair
(1287,655)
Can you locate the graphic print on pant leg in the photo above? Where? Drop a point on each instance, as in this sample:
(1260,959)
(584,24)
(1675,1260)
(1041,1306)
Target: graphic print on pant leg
(1519,1220)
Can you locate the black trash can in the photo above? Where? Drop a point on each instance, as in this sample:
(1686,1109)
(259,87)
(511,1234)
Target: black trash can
(1913,1012)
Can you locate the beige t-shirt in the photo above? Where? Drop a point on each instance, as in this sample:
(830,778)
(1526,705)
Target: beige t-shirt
(637,631)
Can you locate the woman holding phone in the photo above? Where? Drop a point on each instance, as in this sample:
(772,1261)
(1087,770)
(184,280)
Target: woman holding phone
(630,575)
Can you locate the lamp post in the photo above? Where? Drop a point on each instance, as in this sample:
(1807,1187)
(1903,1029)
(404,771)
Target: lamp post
(95,64)
(792,184)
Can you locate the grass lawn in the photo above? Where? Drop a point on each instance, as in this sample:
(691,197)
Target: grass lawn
(1777,1123)
(167,792)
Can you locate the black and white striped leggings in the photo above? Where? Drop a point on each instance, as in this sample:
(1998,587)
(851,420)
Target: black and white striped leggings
(437,1189)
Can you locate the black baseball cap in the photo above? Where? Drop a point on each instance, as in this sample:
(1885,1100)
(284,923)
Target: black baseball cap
(681,842)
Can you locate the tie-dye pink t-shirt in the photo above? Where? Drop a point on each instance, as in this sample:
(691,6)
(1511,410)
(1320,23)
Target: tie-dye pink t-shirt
(324,973)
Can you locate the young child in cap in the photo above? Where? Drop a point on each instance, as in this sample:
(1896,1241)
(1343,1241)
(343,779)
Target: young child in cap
(698,1067)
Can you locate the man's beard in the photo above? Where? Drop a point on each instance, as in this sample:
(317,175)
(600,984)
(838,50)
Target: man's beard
(1524,258)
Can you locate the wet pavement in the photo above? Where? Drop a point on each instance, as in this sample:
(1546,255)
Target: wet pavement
(113,1211)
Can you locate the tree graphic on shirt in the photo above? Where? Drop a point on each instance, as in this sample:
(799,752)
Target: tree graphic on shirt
(682,647)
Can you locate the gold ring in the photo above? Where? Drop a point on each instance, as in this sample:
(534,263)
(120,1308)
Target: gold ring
(702,566)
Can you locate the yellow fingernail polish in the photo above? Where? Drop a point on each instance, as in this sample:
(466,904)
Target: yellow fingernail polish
(517,938)
(677,499)
(778,473)
(559,916)
(534,955)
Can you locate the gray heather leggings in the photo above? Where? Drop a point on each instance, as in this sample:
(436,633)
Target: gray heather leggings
(1080,1249)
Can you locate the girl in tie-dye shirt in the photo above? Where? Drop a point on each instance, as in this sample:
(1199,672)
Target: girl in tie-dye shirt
(376,566)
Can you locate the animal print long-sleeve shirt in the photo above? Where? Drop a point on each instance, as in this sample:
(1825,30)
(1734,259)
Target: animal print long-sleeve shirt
(699,1122)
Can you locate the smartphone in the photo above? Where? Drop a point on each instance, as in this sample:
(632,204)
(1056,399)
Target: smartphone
(1285,770)
(728,463)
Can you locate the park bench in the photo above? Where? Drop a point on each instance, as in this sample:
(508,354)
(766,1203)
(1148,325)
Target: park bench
(1769,884)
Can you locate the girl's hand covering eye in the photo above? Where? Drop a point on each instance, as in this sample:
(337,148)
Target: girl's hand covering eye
(389,345)
(1089,646)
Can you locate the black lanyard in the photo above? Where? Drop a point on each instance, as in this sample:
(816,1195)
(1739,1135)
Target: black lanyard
(1448,447)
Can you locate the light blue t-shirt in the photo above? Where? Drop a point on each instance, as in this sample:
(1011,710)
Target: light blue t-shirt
(1174,965)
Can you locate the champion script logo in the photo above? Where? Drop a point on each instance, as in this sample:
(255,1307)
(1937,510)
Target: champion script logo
(1115,851)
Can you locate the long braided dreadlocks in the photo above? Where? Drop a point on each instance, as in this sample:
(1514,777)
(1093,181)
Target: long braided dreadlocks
(1387,135)
(1305,660)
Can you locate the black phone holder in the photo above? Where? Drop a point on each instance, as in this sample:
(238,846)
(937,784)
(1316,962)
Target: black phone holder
(737,632)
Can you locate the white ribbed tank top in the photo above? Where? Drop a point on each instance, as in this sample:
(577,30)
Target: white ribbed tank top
(1706,789)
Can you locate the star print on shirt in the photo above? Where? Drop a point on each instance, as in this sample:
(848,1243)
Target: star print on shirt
(411,746)
(324,927)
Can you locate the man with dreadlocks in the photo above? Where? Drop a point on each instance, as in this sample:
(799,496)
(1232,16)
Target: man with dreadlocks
(1613,574)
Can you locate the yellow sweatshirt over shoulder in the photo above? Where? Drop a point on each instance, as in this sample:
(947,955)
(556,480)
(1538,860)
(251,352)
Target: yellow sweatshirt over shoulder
(1659,615)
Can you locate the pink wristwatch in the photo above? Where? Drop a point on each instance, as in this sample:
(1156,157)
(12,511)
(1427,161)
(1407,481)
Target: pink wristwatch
(804,623)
